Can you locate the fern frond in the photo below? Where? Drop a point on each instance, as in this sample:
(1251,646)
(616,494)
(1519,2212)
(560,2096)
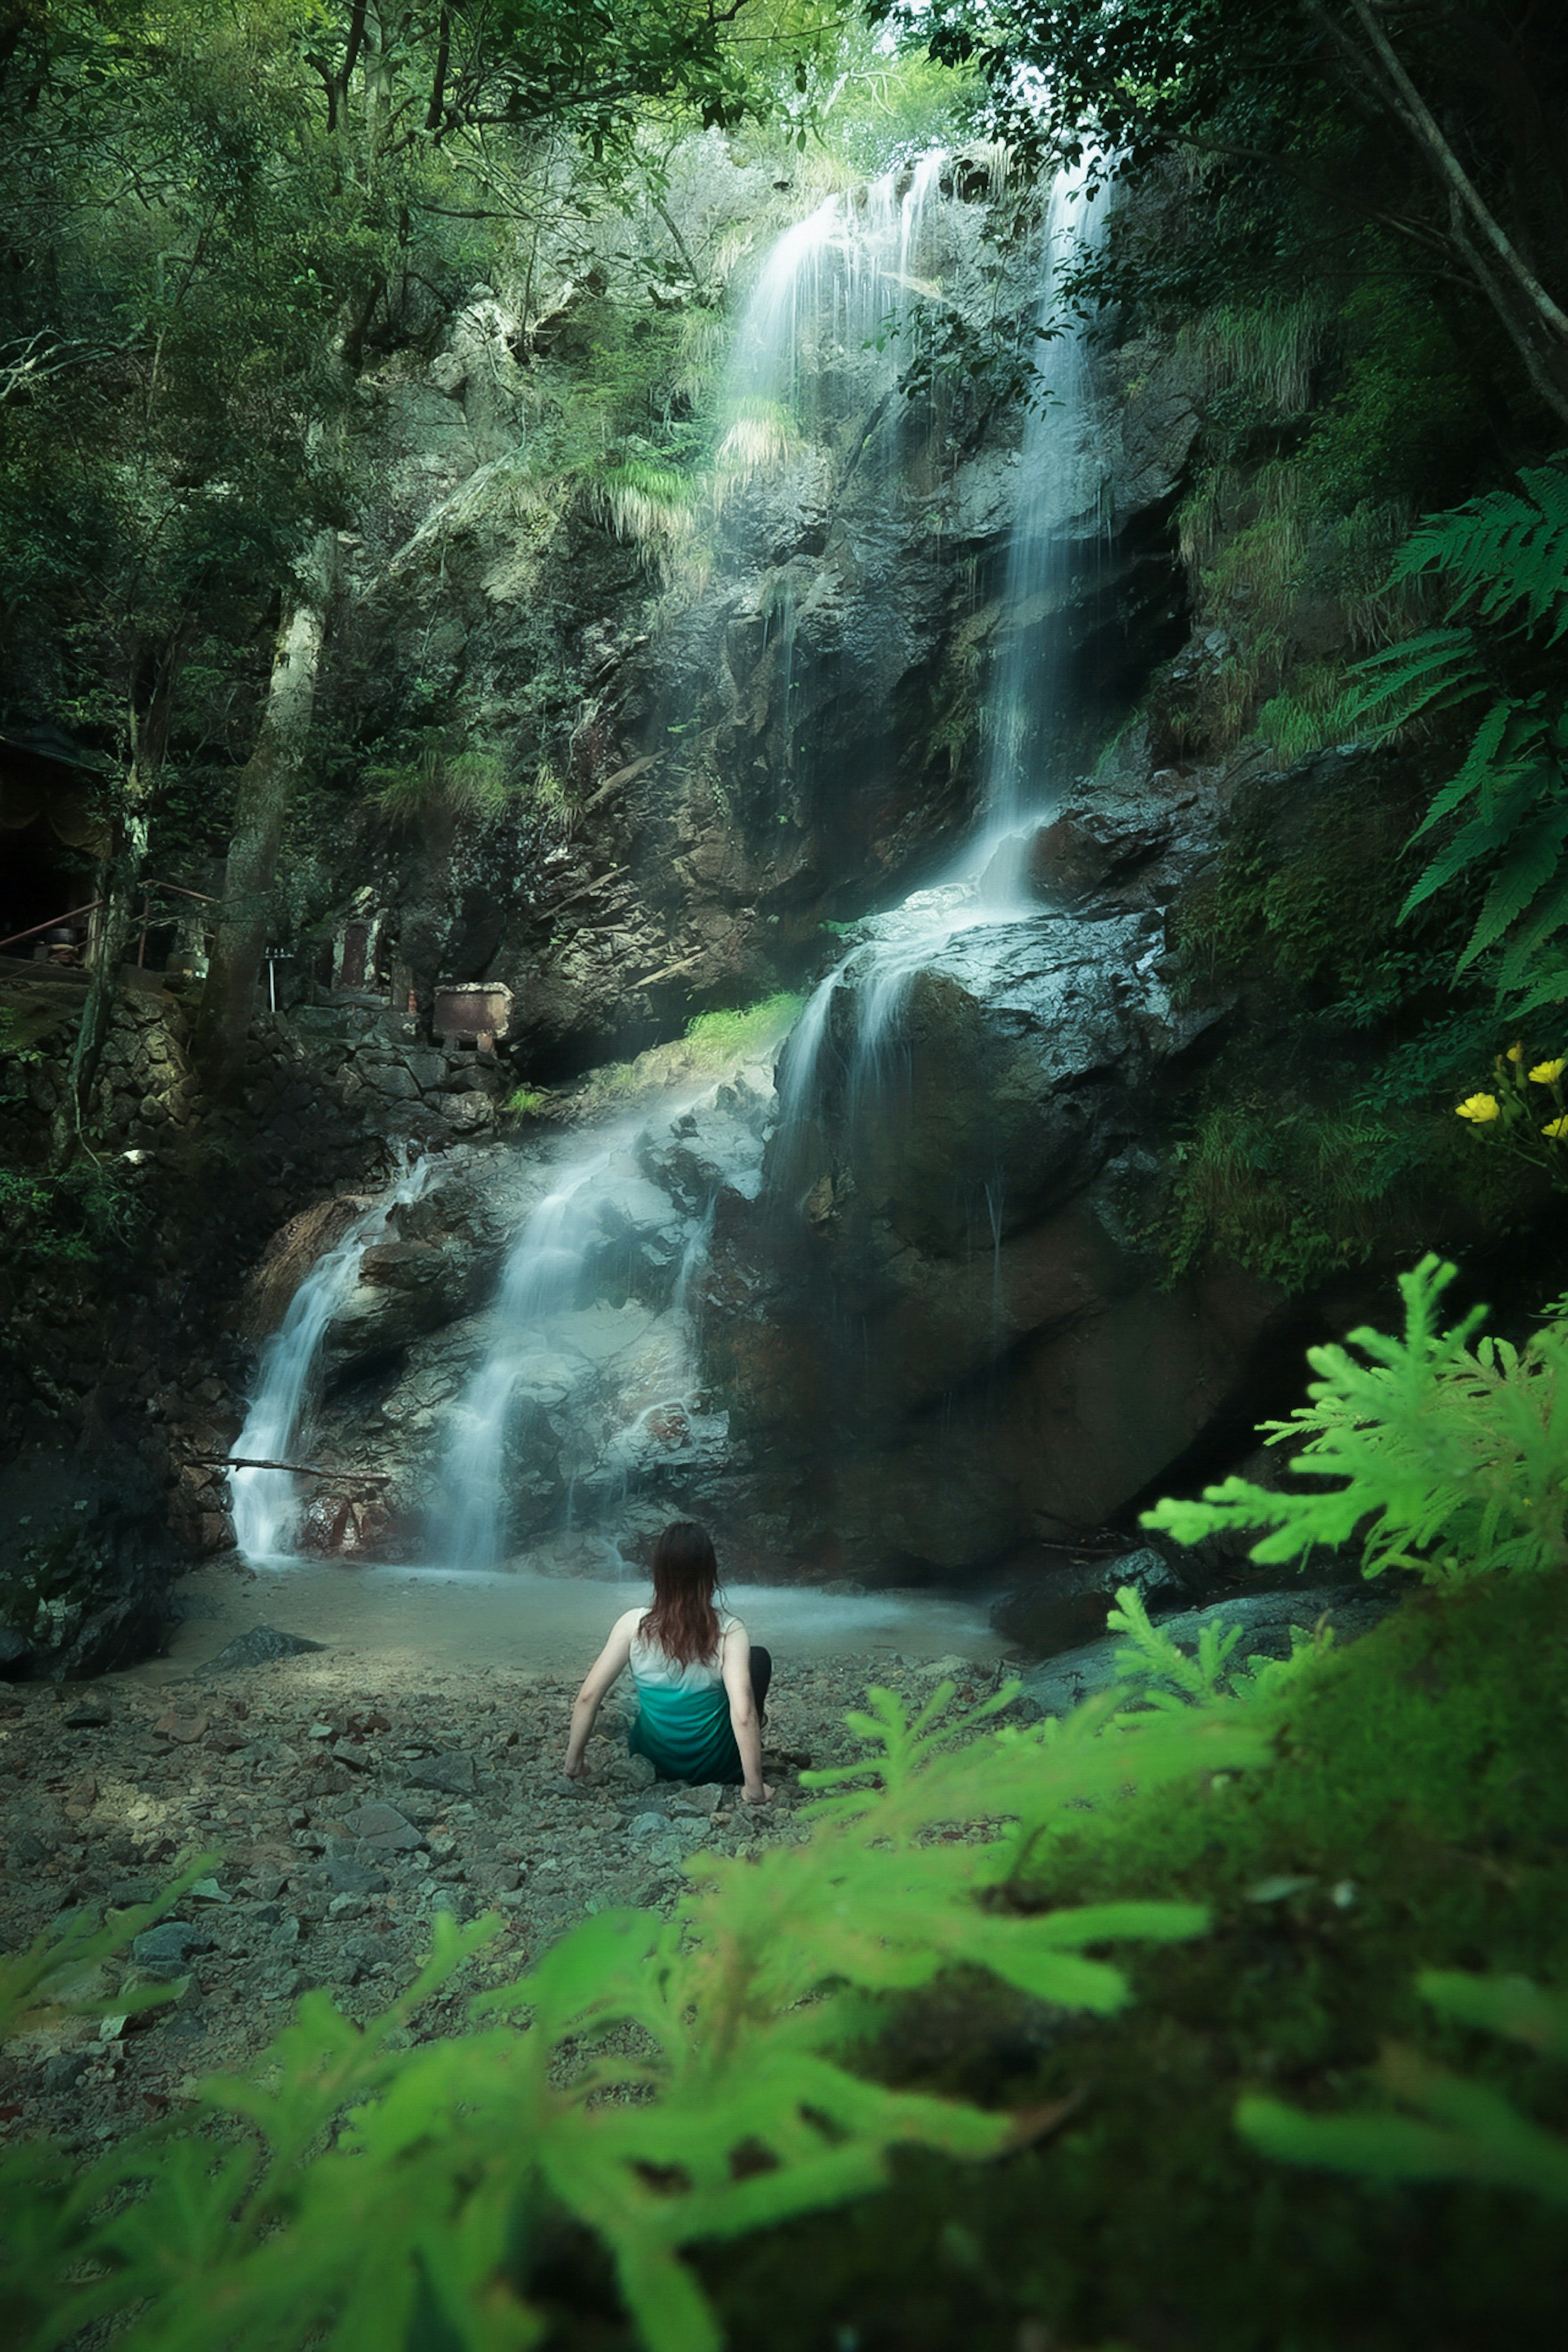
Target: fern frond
(1532,862)
(1550,986)
(1481,765)
(1502,550)
(1445,1459)
(1413,679)
(1510,798)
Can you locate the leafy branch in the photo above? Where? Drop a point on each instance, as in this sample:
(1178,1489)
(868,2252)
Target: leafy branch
(1445,1459)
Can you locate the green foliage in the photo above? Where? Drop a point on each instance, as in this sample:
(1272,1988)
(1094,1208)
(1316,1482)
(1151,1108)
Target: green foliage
(1503,561)
(1169,1680)
(36,1983)
(883,105)
(442,778)
(525,1102)
(89,1212)
(1310,892)
(1457,2129)
(665,2082)
(1450,1460)
(746,1028)
(1291,1190)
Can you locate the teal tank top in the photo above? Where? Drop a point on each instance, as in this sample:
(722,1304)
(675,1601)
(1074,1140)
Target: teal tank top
(682,1723)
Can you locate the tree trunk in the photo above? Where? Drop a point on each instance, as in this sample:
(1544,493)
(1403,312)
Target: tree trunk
(121,880)
(261,804)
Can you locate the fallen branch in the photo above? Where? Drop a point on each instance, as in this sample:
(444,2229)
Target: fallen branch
(670,970)
(302,1469)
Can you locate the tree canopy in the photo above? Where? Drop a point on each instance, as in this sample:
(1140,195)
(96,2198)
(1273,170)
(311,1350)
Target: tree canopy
(1442,121)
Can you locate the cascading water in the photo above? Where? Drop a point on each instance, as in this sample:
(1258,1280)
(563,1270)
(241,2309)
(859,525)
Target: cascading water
(1063,476)
(585,1368)
(826,297)
(266,1504)
(592,1332)
(1061,479)
(540,1283)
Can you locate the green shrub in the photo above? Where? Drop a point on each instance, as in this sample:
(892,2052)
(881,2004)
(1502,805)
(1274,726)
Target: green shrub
(1502,559)
(1291,1191)
(466,782)
(1445,1459)
(525,1102)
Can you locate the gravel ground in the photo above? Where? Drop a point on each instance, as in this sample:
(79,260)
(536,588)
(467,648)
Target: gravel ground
(348,1800)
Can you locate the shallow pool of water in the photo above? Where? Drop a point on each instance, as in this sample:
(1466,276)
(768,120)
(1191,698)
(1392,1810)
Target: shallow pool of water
(407,1619)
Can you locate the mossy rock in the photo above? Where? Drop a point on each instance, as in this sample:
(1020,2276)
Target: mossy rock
(1417,1816)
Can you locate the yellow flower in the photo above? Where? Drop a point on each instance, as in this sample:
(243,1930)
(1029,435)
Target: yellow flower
(1479,1107)
(1545,1073)
(1557,1128)
(1516,1051)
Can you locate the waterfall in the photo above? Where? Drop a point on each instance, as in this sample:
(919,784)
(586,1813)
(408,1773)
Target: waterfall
(541,1282)
(1061,478)
(615,1401)
(265,1503)
(828,290)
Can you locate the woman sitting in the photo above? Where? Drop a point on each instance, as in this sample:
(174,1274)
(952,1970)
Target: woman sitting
(701,1688)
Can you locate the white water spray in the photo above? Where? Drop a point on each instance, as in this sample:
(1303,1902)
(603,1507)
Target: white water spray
(1062,478)
(266,1504)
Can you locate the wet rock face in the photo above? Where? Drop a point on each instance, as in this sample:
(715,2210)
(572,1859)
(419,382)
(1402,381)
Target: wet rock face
(935,1331)
(86,1560)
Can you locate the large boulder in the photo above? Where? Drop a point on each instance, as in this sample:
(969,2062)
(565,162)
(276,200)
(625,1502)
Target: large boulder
(936,1331)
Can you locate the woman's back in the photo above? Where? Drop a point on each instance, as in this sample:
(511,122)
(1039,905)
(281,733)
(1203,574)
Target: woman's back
(701,1685)
(653,1668)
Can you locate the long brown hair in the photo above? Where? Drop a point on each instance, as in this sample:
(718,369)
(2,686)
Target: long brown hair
(683,1621)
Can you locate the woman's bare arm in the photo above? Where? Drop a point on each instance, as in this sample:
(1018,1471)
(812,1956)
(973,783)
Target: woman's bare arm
(737,1669)
(604,1671)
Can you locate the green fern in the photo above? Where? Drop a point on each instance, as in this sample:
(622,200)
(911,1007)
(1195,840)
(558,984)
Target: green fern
(1501,551)
(1170,1680)
(664,2081)
(1504,559)
(1447,1460)
(1453,2129)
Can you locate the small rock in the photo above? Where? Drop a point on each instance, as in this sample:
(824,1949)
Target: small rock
(347,1877)
(207,1890)
(90,1717)
(257,1646)
(361,1956)
(452,1772)
(162,1951)
(384,1827)
(63,2072)
(186,1729)
(349,1906)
